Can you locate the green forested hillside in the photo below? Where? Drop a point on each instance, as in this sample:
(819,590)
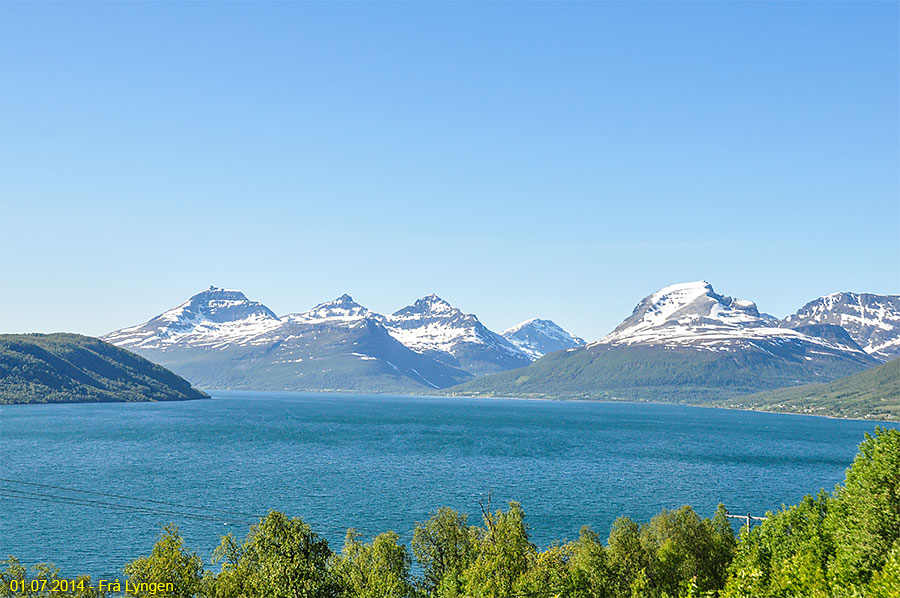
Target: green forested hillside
(659,373)
(71,368)
(873,393)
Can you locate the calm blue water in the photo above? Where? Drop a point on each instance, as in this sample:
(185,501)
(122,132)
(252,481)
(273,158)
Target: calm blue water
(380,462)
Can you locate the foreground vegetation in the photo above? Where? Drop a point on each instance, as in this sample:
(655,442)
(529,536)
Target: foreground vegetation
(71,368)
(832,545)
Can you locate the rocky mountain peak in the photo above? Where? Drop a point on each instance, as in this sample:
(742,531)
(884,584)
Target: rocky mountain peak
(215,311)
(873,321)
(691,305)
(428,305)
(341,307)
(537,337)
(218,305)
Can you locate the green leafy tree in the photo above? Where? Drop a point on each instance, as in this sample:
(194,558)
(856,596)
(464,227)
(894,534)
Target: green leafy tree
(379,569)
(640,586)
(767,558)
(590,573)
(547,573)
(676,552)
(232,579)
(169,563)
(830,545)
(864,517)
(281,557)
(14,573)
(444,547)
(16,582)
(627,558)
(684,548)
(886,583)
(503,554)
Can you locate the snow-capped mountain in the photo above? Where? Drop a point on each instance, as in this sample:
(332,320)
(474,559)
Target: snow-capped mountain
(683,340)
(220,339)
(692,314)
(435,328)
(687,341)
(536,337)
(344,308)
(873,321)
(210,318)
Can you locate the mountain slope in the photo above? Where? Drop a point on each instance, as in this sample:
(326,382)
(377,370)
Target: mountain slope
(435,328)
(870,394)
(212,319)
(337,345)
(873,321)
(686,343)
(536,337)
(70,368)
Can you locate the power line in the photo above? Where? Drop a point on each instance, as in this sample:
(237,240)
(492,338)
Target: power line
(52,498)
(148,510)
(147,500)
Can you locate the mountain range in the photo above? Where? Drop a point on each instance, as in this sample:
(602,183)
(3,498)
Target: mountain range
(221,339)
(684,342)
(872,320)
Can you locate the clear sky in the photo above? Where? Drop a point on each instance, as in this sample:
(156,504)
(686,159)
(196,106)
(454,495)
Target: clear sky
(519,159)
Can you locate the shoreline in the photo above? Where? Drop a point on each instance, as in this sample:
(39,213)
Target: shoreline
(464,396)
(555,399)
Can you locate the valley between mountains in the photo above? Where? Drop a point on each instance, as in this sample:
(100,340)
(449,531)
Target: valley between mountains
(685,343)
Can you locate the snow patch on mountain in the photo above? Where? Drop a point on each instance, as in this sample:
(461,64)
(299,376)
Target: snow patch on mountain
(212,317)
(434,327)
(873,321)
(446,344)
(432,324)
(344,308)
(537,337)
(693,315)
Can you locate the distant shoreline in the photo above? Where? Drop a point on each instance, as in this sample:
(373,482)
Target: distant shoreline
(210,392)
(558,400)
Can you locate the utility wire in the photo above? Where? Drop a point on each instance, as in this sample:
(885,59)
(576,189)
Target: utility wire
(147,500)
(150,510)
(52,498)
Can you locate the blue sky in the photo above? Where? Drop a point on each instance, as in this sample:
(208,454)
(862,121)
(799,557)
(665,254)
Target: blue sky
(518,159)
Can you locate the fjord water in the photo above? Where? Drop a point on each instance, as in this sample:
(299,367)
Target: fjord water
(385,462)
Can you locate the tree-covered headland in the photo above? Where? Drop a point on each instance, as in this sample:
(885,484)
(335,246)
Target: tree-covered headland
(71,368)
(832,545)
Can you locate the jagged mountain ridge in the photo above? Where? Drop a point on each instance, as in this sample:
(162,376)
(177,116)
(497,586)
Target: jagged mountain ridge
(336,345)
(694,315)
(537,337)
(685,338)
(683,342)
(221,339)
(873,321)
(434,327)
